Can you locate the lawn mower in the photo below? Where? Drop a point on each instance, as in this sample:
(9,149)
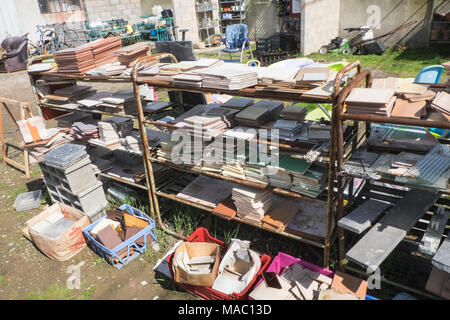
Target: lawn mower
(363,43)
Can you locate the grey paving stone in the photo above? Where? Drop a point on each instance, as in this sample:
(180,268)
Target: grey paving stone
(378,243)
(364,216)
(441,259)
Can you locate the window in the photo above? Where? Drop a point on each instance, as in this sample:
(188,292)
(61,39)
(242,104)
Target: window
(53,6)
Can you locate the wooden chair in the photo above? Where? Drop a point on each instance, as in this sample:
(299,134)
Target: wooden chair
(24,107)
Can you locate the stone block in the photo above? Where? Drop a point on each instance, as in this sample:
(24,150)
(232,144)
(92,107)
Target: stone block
(364,216)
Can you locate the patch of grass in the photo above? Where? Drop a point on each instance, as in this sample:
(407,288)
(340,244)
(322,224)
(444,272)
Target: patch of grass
(102,262)
(165,243)
(54,292)
(87,293)
(46,199)
(59,292)
(406,62)
(15,191)
(2,280)
(231,231)
(35,172)
(214,54)
(186,219)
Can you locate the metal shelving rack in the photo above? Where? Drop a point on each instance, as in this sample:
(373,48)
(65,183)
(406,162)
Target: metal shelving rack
(157,191)
(203,15)
(242,13)
(50,111)
(378,189)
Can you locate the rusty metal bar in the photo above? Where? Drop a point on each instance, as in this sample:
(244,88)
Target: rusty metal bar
(332,169)
(151,186)
(404,121)
(236,218)
(339,149)
(251,184)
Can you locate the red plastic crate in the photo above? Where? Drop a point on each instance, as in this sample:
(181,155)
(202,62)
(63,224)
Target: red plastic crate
(205,293)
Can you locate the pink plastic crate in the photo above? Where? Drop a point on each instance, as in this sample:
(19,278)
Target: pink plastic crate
(283,260)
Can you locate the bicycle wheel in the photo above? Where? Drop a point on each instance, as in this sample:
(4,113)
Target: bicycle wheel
(71,38)
(51,47)
(32,49)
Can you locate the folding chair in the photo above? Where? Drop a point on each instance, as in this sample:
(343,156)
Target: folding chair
(236,41)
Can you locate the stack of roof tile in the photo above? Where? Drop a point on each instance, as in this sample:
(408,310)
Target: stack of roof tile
(88,56)
(129,54)
(75,60)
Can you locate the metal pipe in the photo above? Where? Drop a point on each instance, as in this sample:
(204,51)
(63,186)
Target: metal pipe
(151,186)
(236,218)
(396,284)
(367,75)
(332,156)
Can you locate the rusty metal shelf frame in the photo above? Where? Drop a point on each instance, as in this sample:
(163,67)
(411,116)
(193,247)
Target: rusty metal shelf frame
(77,77)
(247,92)
(339,157)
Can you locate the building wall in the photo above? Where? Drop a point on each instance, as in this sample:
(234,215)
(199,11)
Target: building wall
(28,16)
(185,17)
(147,5)
(101,10)
(387,15)
(319,23)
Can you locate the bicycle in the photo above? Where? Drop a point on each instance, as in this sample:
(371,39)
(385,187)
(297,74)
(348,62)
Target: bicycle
(38,48)
(64,38)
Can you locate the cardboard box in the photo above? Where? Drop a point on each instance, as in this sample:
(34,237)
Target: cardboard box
(69,243)
(197,249)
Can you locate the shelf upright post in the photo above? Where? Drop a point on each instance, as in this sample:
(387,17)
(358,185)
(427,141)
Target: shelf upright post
(151,186)
(332,173)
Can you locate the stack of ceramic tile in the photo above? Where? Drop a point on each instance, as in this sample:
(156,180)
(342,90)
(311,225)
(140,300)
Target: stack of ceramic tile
(84,131)
(227,78)
(251,204)
(166,152)
(110,69)
(213,158)
(310,183)
(92,101)
(120,100)
(129,54)
(234,170)
(238,103)
(288,128)
(108,136)
(176,68)
(190,80)
(406,108)
(75,60)
(103,50)
(313,77)
(70,94)
(189,73)
(259,113)
(371,101)
(204,127)
(281,176)
(294,112)
(442,103)
(206,191)
(226,114)
(256,173)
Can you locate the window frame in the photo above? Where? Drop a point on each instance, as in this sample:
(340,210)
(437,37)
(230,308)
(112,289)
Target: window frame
(50,6)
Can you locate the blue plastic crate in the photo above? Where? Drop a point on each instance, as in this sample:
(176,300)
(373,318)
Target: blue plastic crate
(111,255)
